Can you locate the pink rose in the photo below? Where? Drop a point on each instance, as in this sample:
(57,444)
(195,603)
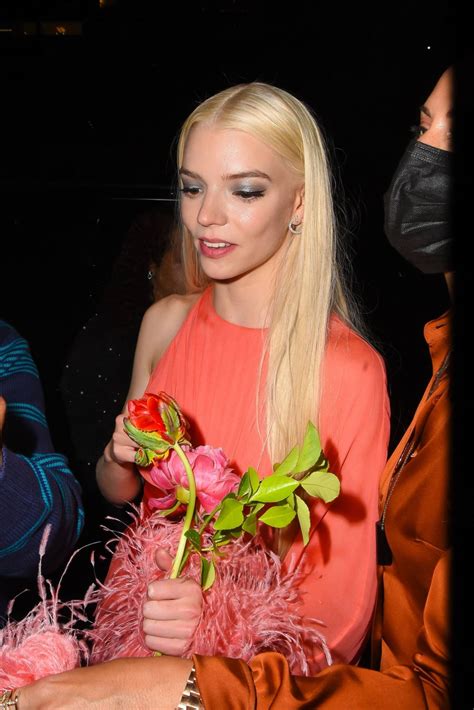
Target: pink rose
(214,478)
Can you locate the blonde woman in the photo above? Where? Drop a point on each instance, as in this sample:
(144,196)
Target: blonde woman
(266,338)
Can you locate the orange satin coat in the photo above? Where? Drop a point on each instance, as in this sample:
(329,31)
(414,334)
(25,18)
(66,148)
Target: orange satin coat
(410,637)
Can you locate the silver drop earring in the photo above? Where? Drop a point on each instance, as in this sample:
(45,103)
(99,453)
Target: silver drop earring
(293,227)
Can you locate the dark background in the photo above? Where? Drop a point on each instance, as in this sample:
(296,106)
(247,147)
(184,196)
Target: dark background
(92,96)
(90,120)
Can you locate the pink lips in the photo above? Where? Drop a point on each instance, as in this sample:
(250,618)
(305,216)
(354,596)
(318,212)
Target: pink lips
(215,252)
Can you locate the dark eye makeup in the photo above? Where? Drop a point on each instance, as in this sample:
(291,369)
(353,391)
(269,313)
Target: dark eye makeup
(417,130)
(190,189)
(249,194)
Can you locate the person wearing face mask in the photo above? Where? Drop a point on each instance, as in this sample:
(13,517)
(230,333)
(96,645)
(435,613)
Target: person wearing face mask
(410,636)
(418,201)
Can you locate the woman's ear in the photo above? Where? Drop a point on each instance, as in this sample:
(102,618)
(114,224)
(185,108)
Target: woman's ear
(298,207)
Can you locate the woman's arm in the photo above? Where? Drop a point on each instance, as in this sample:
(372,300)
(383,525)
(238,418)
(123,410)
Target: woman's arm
(133,683)
(37,486)
(117,475)
(340,558)
(266,681)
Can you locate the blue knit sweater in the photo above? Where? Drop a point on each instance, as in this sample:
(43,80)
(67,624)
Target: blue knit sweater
(37,487)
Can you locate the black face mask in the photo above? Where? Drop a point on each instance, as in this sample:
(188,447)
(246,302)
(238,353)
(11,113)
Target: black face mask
(418,208)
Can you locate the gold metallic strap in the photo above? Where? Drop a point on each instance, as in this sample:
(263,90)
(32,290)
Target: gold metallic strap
(9,699)
(191,697)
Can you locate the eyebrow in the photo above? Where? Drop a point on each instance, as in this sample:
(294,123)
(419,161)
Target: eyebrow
(424,109)
(233,176)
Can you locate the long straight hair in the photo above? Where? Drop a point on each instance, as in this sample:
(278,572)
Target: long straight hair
(309,286)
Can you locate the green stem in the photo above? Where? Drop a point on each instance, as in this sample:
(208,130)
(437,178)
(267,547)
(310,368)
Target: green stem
(208,518)
(188,518)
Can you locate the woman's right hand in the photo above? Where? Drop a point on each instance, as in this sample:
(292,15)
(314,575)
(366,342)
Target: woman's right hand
(117,476)
(121,448)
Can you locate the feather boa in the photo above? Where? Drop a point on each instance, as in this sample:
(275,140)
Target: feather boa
(47,640)
(252,607)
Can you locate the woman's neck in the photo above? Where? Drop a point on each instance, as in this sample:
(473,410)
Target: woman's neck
(242,302)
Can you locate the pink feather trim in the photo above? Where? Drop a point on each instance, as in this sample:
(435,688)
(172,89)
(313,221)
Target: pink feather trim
(251,607)
(34,648)
(45,641)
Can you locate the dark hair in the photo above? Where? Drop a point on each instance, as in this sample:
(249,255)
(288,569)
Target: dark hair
(129,292)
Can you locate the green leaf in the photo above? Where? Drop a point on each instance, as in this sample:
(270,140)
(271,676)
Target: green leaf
(322,484)
(254,478)
(182,494)
(279,516)
(223,541)
(144,457)
(231,515)
(194,538)
(208,573)
(304,518)
(250,524)
(145,439)
(166,418)
(288,463)
(174,419)
(245,486)
(274,489)
(322,464)
(221,537)
(256,507)
(310,451)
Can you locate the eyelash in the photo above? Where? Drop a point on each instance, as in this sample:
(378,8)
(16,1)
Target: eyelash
(246,195)
(249,195)
(189,190)
(418,130)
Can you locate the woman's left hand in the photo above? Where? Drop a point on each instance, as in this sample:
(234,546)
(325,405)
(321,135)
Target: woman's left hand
(132,683)
(172,610)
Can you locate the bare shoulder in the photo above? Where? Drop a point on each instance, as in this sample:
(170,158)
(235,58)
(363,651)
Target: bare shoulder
(162,321)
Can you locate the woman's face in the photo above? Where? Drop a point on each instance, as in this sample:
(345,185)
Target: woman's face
(238,197)
(436,115)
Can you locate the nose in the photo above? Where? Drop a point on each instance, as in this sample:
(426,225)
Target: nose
(438,137)
(212,210)
(439,133)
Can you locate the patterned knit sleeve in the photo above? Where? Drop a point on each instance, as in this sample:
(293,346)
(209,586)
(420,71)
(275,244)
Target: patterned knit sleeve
(37,487)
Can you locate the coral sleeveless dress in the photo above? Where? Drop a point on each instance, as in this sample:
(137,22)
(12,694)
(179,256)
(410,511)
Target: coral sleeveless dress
(211,368)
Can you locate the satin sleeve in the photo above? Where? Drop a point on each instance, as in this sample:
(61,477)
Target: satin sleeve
(266,682)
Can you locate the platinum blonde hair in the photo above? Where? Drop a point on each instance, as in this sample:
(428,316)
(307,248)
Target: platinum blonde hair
(309,286)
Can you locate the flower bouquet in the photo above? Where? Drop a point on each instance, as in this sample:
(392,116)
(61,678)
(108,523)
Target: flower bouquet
(209,519)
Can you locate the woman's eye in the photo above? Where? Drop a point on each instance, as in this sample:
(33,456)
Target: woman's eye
(190,190)
(249,194)
(418,131)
